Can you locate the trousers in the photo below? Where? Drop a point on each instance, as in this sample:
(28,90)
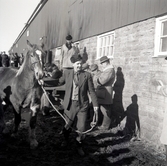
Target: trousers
(106,112)
(76,115)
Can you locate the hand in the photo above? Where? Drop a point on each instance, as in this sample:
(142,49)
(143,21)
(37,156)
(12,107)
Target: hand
(96,109)
(49,74)
(92,124)
(41,82)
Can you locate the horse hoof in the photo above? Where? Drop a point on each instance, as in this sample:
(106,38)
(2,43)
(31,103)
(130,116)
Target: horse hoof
(5,131)
(14,135)
(33,144)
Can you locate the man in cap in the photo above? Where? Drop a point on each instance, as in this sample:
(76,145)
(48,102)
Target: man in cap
(76,102)
(67,51)
(95,74)
(104,91)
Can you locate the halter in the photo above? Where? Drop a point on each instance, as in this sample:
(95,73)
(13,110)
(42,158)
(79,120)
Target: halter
(33,64)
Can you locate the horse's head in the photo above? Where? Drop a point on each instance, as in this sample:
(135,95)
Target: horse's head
(36,54)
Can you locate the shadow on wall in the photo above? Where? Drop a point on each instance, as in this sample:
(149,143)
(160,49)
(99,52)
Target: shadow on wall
(132,125)
(118,110)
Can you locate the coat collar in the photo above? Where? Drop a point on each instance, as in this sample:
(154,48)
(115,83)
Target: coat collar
(82,77)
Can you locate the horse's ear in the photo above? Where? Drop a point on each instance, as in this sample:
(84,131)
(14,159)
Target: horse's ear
(29,44)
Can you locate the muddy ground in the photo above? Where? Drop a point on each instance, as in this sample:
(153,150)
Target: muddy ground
(102,148)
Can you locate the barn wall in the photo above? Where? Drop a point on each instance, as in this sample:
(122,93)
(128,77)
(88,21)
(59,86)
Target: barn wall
(85,18)
(134,24)
(134,48)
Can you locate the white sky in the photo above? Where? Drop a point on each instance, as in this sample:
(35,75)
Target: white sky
(13,16)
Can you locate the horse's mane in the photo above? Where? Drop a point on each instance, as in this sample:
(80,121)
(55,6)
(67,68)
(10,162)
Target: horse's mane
(27,59)
(25,62)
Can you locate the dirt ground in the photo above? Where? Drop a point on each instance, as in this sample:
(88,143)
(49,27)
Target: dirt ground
(102,148)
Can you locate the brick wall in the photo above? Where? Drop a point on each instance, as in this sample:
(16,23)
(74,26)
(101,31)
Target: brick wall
(133,51)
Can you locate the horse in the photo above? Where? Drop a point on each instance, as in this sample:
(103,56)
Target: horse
(21,88)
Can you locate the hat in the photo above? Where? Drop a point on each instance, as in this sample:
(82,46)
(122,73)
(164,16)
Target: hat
(85,66)
(69,37)
(75,58)
(93,67)
(104,59)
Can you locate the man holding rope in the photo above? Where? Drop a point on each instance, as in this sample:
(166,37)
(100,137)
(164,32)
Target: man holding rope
(78,84)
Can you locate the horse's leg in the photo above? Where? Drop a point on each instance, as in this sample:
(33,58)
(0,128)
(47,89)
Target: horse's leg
(2,123)
(17,116)
(33,119)
(34,107)
(17,120)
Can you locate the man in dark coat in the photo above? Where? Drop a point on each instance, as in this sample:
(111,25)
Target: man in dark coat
(0,60)
(5,60)
(78,84)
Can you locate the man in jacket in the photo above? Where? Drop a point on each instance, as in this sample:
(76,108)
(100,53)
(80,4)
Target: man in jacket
(76,102)
(67,51)
(104,91)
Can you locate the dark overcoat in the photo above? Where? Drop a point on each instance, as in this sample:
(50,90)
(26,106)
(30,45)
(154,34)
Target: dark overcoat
(85,86)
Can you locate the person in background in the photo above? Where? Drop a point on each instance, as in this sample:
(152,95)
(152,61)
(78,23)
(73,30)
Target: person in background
(16,60)
(76,102)
(12,59)
(5,60)
(52,72)
(163,138)
(21,59)
(85,67)
(67,51)
(104,91)
(95,74)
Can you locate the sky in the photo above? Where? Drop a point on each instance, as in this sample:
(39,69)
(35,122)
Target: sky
(13,16)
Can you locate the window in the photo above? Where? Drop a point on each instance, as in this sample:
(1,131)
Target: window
(57,56)
(28,33)
(161,37)
(105,45)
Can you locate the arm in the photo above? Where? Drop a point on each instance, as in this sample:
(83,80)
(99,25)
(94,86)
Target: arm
(62,57)
(62,79)
(105,76)
(92,92)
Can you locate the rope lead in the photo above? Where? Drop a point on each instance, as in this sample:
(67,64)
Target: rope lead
(93,123)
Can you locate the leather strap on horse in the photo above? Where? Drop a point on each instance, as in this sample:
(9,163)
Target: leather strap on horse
(92,124)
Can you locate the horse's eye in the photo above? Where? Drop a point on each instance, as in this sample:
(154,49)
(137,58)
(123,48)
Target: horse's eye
(31,55)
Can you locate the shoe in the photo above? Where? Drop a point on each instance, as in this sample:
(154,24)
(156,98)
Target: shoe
(65,133)
(79,148)
(64,143)
(80,151)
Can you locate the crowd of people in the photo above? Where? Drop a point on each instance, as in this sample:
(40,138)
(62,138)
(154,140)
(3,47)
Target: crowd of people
(13,60)
(87,87)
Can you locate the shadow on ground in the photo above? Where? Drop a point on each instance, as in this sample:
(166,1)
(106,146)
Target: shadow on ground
(102,148)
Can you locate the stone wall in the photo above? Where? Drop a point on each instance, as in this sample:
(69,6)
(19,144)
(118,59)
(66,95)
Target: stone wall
(133,54)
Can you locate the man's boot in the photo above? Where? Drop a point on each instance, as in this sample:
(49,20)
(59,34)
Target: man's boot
(66,134)
(80,149)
